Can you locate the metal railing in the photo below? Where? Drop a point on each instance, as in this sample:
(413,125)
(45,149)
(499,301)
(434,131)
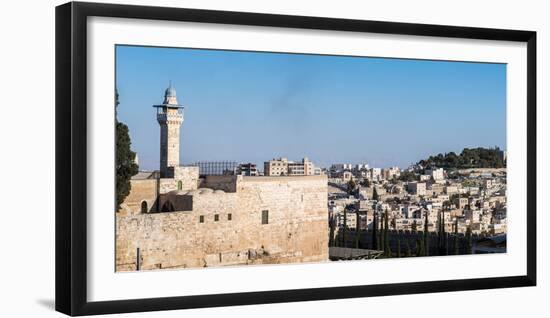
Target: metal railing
(215,168)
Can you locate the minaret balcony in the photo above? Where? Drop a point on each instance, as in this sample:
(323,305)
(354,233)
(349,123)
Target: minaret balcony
(166,117)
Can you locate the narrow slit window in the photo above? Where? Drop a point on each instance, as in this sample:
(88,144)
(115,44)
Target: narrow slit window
(265,217)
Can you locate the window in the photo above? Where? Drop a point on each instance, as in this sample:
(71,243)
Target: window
(180,185)
(229,217)
(144,208)
(201,219)
(265,217)
(216,217)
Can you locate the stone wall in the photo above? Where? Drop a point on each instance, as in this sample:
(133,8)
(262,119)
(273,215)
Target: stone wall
(225,183)
(153,191)
(225,228)
(142,191)
(188,176)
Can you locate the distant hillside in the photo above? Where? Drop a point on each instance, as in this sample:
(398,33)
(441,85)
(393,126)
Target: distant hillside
(468,158)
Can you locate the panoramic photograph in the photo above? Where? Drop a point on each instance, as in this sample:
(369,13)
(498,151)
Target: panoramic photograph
(235,158)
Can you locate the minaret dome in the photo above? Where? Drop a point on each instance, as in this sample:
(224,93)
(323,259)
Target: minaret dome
(170,95)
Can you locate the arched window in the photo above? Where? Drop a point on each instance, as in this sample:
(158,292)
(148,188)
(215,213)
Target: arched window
(180,185)
(144,207)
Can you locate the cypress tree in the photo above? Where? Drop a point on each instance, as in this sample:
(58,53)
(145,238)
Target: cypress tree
(439,238)
(446,244)
(357,230)
(444,234)
(427,246)
(457,247)
(408,249)
(442,241)
(351,187)
(374,234)
(388,251)
(344,243)
(469,240)
(125,165)
(398,248)
(386,234)
(331,232)
(376,241)
(381,233)
(419,247)
(426,243)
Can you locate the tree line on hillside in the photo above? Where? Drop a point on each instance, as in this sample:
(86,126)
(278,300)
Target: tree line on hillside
(385,238)
(468,158)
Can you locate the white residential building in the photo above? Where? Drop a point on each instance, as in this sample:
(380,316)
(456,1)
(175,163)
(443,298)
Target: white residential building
(436,173)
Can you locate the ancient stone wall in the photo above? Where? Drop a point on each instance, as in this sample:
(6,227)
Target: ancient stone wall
(225,228)
(142,191)
(186,177)
(225,183)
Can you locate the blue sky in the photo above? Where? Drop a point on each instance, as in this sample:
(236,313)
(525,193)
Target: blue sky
(254,106)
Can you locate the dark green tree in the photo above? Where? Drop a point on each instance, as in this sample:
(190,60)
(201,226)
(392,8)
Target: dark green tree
(420,248)
(456,245)
(375,230)
(332,223)
(398,248)
(125,164)
(426,238)
(469,240)
(386,245)
(345,227)
(351,187)
(365,183)
(357,230)
(413,226)
(408,176)
(442,236)
(382,244)
(408,252)
(439,238)
(447,244)
(468,158)
(427,245)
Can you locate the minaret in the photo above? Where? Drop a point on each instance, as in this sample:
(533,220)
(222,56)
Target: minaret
(170,118)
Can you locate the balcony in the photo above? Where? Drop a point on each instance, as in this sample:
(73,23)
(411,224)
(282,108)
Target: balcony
(169,117)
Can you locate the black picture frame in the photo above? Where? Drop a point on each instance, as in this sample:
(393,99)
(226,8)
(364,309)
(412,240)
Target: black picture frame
(71,157)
